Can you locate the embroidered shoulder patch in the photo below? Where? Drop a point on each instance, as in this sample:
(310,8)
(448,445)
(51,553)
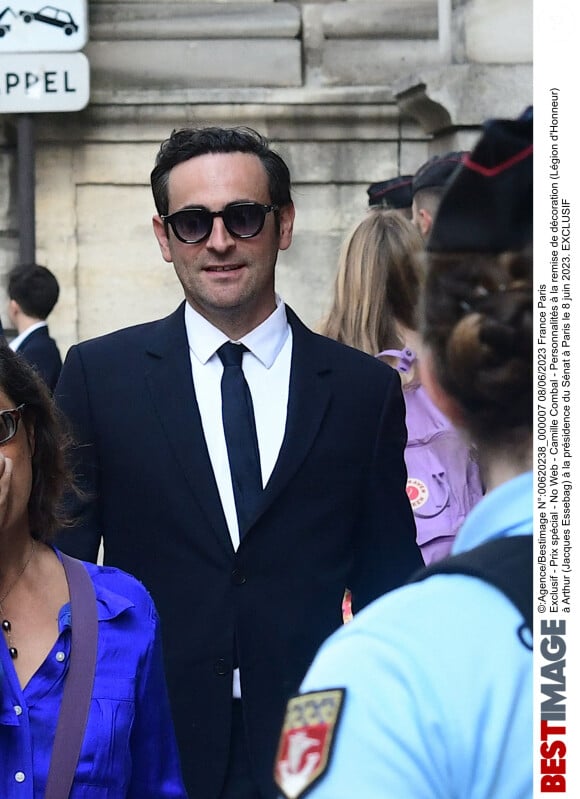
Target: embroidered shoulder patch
(306,741)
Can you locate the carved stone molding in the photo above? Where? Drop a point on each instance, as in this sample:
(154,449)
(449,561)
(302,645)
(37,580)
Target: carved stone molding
(464,95)
(330,116)
(166,21)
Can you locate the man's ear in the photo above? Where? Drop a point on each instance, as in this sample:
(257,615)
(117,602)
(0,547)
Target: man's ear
(162,235)
(425,222)
(447,404)
(13,310)
(287,214)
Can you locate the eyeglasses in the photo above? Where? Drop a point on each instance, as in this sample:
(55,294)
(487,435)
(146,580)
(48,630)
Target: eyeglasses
(242,220)
(9,423)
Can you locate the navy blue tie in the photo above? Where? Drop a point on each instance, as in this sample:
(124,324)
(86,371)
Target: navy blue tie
(240,433)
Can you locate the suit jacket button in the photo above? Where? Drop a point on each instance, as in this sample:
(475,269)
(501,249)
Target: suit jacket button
(221,667)
(238,578)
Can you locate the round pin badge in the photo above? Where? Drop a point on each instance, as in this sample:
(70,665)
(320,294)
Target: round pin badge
(417,492)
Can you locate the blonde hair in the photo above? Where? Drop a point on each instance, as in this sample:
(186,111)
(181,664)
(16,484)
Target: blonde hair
(377,283)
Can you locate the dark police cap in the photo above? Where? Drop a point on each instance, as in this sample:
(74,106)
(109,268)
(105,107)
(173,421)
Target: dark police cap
(488,206)
(436,172)
(394,193)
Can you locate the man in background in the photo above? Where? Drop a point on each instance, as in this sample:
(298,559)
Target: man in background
(395,193)
(33,292)
(429,183)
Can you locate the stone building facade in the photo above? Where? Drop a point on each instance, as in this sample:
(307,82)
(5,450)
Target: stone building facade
(349,91)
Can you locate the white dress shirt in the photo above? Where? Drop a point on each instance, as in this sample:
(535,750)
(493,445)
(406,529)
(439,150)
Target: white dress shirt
(266,368)
(17,340)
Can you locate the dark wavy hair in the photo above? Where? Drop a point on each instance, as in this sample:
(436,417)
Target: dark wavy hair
(191,142)
(51,475)
(477,321)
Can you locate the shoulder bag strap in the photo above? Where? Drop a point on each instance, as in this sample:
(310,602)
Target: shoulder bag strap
(78,686)
(405,357)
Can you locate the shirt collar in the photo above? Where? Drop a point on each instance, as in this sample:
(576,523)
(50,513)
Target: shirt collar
(109,606)
(505,511)
(265,341)
(109,603)
(17,340)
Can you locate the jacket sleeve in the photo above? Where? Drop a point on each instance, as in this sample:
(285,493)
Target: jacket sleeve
(156,771)
(45,358)
(73,398)
(386,549)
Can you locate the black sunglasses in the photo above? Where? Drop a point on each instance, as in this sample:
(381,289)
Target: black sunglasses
(9,423)
(242,220)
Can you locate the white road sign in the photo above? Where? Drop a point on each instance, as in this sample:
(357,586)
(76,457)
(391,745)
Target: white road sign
(28,26)
(37,82)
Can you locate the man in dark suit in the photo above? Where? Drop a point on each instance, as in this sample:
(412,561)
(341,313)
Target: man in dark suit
(248,582)
(33,292)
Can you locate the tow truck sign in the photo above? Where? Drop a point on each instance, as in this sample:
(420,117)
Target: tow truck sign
(40,68)
(28,26)
(40,82)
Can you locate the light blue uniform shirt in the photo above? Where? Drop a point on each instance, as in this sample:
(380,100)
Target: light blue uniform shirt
(129,750)
(438,701)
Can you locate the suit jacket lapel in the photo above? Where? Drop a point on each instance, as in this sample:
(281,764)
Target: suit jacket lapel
(172,392)
(308,400)
(173,395)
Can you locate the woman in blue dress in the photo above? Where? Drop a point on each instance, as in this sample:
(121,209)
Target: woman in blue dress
(128,749)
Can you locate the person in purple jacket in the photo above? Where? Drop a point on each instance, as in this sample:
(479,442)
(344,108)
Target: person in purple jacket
(129,747)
